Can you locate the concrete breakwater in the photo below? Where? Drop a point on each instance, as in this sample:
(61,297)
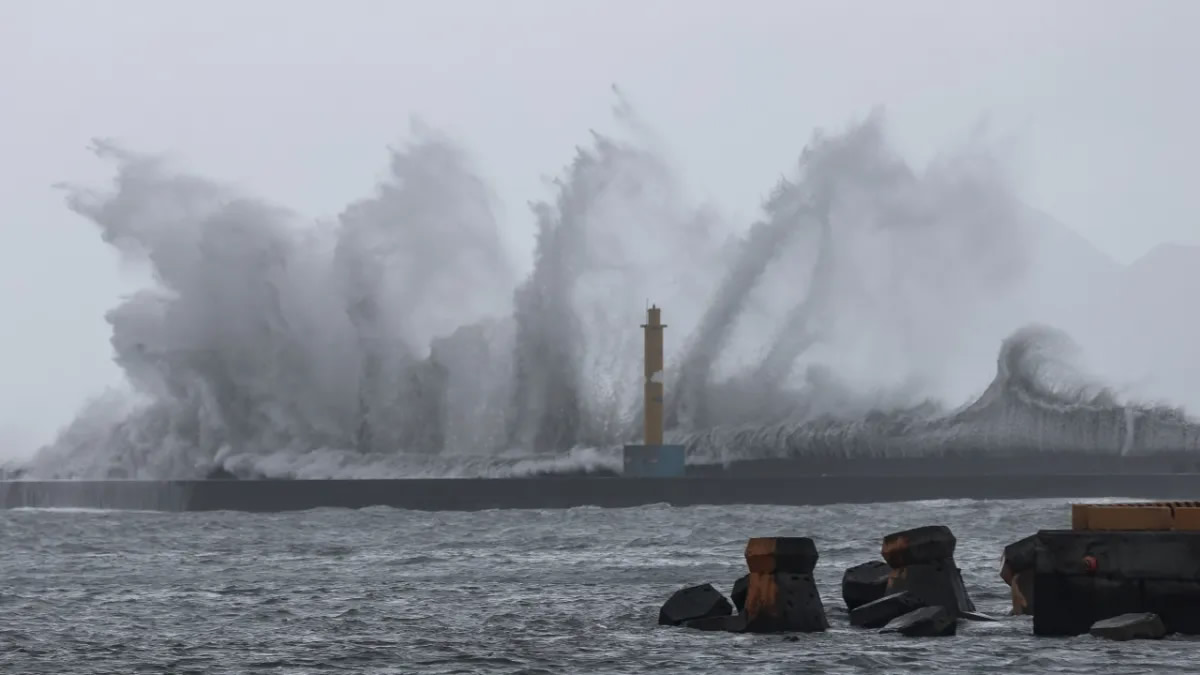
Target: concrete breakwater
(551,492)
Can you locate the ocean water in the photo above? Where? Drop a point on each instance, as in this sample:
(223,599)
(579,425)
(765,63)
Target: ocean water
(576,591)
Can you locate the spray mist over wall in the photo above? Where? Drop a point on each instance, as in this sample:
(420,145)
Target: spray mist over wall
(398,340)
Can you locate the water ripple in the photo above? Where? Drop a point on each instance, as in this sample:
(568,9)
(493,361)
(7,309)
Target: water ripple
(578,591)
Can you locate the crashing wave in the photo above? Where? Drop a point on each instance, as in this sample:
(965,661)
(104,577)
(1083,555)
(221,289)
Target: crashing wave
(395,341)
(1038,402)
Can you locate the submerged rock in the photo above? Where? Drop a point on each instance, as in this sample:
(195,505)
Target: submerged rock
(692,603)
(924,622)
(865,583)
(877,614)
(1144,626)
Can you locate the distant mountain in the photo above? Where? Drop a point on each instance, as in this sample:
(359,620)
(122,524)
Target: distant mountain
(1158,313)
(1139,324)
(1068,246)
(1170,264)
(1068,271)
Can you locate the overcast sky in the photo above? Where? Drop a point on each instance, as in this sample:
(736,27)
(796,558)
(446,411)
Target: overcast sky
(297,100)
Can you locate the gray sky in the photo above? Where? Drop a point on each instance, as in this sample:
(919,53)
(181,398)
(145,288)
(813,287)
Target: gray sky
(297,100)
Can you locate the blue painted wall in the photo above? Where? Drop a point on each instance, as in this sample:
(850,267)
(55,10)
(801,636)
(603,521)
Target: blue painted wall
(654,461)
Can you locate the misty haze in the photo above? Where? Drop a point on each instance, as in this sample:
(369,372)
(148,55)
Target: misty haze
(950,246)
(866,305)
(414,332)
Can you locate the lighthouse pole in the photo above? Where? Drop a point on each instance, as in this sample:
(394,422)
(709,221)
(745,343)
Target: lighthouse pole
(653,327)
(652,459)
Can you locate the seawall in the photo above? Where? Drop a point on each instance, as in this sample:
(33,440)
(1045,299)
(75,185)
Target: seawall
(573,491)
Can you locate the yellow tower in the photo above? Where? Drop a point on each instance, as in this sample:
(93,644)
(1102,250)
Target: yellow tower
(652,459)
(654,377)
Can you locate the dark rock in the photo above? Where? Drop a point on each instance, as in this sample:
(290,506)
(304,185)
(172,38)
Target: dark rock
(924,622)
(694,602)
(865,583)
(1143,626)
(937,583)
(920,545)
(778,603)
(976,616)
(877,614)
(739,593)
(734,623)
(787,555)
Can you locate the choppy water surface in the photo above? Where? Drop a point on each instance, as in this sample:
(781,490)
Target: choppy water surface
(386,591)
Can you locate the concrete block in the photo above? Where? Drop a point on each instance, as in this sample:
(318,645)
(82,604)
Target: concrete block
(1069,605)
(781,602)
(1021,555)
(1141,626)
(1176,602)
(877,614)
(1129,555)
(694,602)
(924,622)
(919,545)
(788,555)
(1139,517)
(1187,518)
(1021,591)
(937,583)
(865,583)
(1017,570)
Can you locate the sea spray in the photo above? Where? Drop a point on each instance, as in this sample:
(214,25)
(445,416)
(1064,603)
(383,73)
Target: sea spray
(395,340)
(618,231)
(1037,402)
(265,335)
(870,267)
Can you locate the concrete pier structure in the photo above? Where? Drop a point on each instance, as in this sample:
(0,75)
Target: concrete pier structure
(1120,559)
(1089,576)
(473,494)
